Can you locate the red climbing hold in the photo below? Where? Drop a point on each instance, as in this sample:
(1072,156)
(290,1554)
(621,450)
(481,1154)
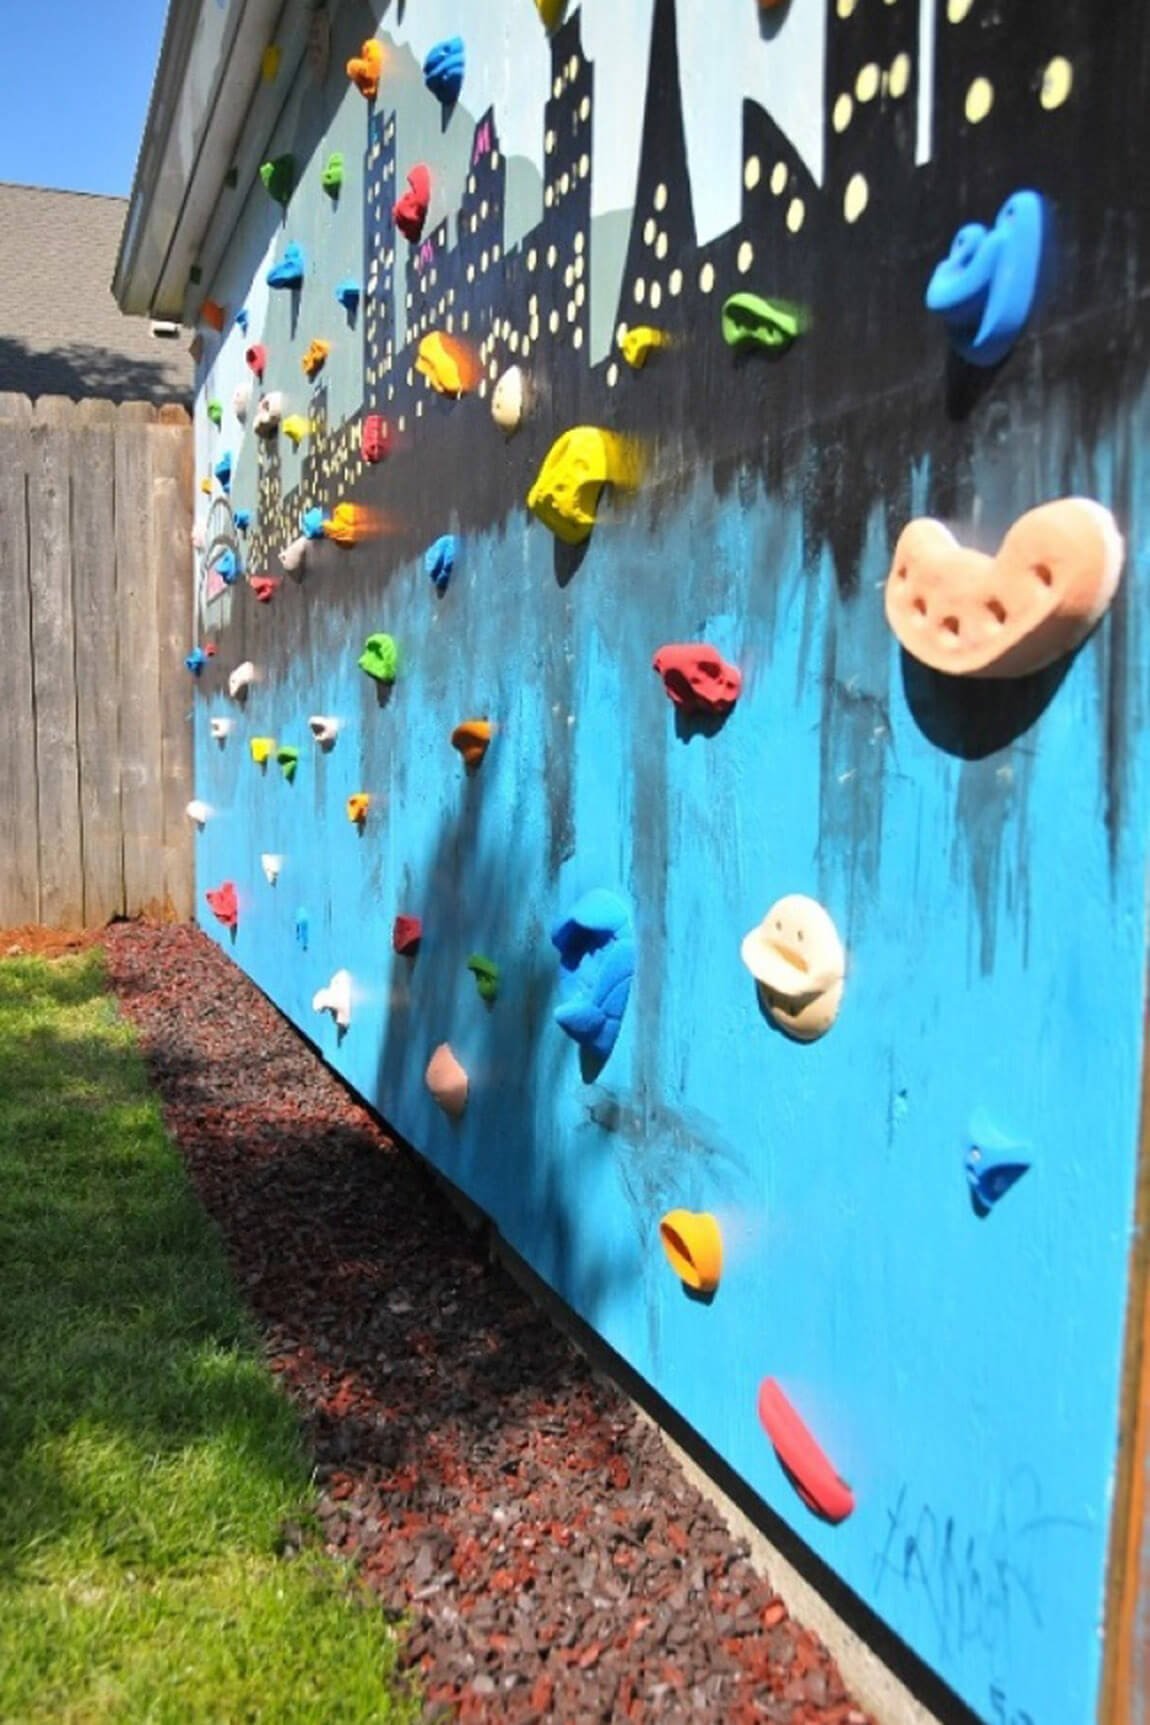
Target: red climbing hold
(697,678)
(374,442)
(257,359)
(410,212)
(407,933)
(810,1471)
(223,904)
(209,649)
(264,587)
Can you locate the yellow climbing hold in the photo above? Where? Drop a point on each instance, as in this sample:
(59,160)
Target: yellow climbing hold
(347,525)
(206,485)
(638,344)
(263,748)
(315,356)
(565,496)
(447,363)
(270,63)
(551,12)
(296,427)
(693,1243)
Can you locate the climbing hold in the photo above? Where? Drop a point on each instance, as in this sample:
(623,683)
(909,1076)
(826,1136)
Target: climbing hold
(206,485)
(269,412)
(242,319)
(278,177)
(196,660)
(302,927)
(509,400)
(347,293)
(439,562)
(693,1243)
(984,289)
(380,658)
(215,412)
(223,471)
(486,974)
(364,71)
(197,536)
(373,438)
(806,1465)
(223,904)
(262,750)
(443,70)
(311,522)
(406,934)
(447,364)
(551,12)
(293,556)
(242,519)
(219,729)
(748,321)
(472,739)
(212,313)
(227,567)
(271,866)
(639,344)
(410,212)
(348,524)
(241,680)
(324,730)
(357,806)
(970,615)
(197,812)
(270,63)
(264,587)
(697,678)
(993,1164)
(295,428)
(447,1081)
(313,359)
(289,272)
(796,957)
(241,401)
(256,360)
(288,760)
(565,496)
(332,176)
(335,998)
(596,947)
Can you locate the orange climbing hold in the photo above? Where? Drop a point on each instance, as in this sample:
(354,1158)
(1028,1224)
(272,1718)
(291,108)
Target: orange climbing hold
(364,71)
(447,363)
(313,359)
(349,523)
(357,806)
(472,738)
(212,313)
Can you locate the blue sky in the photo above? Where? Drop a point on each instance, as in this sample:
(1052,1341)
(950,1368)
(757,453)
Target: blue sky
(77,123)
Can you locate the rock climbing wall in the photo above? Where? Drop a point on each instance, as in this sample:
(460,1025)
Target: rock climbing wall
(769,291)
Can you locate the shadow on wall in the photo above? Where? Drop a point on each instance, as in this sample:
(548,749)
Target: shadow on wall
(83,372)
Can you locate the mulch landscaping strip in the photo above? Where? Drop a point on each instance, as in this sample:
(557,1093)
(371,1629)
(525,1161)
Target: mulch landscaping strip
(550,1558)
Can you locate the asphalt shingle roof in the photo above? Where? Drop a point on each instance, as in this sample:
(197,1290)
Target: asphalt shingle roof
(61,331)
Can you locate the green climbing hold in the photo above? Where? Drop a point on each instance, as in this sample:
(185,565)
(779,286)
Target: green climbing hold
(216,412)
(749,321)
(288,759)
(333,173)
(278,176)
(380,658)
(486,974)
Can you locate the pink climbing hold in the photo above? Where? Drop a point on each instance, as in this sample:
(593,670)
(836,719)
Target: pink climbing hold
(223,904)
(264,587)
(410,211)
(374,442)
(256,358)
(407,934)
(697,678)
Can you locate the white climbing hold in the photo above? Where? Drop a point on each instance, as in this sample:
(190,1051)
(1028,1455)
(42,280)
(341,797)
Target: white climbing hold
(198,812)
(271,866)
(219,728)
(509,400)
(294,556)
(241,680)
(197,537)
(335,998)
(241,401)
(323,729)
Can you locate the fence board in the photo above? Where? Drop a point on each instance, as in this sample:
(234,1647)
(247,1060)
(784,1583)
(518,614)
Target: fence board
(141,764)
(53,663)
(97,657)
(172,481)
(20,873)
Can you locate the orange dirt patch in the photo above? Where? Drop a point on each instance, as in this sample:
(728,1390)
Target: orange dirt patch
(31,941)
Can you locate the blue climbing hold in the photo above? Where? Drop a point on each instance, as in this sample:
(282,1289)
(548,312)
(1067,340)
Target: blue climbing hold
(439,561)
(223,470)
(289,272)
(311,521)
(302,927)
(196,660)
(993,1164)
(984,289)
(227,567)
(242,319)
(596,947)
(443,70)
(242,519)
(347,293)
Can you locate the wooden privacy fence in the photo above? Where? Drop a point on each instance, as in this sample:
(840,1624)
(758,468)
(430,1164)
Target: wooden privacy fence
(96,588)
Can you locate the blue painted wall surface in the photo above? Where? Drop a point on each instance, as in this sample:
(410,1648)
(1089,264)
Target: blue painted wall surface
(983,857)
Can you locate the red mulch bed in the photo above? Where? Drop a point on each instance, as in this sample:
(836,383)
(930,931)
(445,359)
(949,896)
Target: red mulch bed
(550,1558)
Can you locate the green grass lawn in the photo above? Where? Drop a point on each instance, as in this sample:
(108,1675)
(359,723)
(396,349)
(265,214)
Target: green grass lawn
(147,1460)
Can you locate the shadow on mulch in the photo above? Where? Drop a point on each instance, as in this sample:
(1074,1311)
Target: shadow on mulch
(550,1557)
